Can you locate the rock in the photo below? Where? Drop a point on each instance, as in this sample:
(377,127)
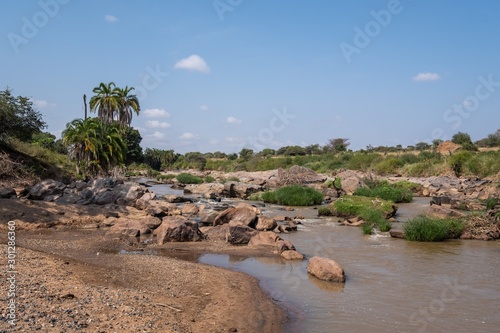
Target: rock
(7,192)
(134,193)
(354,221)
(298,175)
(105,196)
(351,180)
(265,223)
(69,199)
(135,227)
(397,233)
(45,188)
(237,215)
(177,229)
(326,269)
(448,148)
(142,202)
(240,190)
(172,198)
(240,234)
(292,255)
(190,210)
(207,190)
(443,212)
(264,238)
(208,217)
(219,232)
(283,245)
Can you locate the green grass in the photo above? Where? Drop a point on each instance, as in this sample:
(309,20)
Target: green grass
(209,179)
(491,203)
(165,177)
(425,229)
(187,178)
(384,190)
(293,195)
(373,212)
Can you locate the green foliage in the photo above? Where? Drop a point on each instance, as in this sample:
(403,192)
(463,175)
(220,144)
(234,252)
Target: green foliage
(337,145)
(209,179)
(425,229)
(114,104)
(386,191)
(491,203)
(464,140)
(367,228)
(18,117)
(389,165)
(325,211)
(95,147)
(159,159)
(187,178)
(133,139)
(293,195)
(492,140)
(458,160)
(257,196)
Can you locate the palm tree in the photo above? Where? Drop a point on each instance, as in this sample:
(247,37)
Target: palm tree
(80,138)
(128,104)
(105,102)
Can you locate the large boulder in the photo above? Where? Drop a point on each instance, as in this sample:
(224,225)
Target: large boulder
(177,229)
(7,192)
(45,188)
(135,227)
(240,234)
(242,215)
(264,238)
(326,269)
(351,180)
(143,202)
(208,217)
(219,232)
(265,223)
(190,210)
(207,190)
(292,255)
(240,190)
(106,196)
(298,175)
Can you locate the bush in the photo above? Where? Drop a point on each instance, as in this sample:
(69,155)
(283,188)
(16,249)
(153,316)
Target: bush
(294,195)
(255,196)
(373,212)
(386,191)
(324,211)
(425,229)
(491,203)
(186,178)
(209,179)
(389,165)
(458,160)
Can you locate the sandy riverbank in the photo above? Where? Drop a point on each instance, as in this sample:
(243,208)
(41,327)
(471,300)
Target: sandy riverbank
(73,280)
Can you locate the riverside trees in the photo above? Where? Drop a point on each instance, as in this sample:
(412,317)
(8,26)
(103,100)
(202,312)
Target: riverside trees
(98,145)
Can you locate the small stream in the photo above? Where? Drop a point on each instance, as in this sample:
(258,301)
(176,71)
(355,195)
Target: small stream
(392,285)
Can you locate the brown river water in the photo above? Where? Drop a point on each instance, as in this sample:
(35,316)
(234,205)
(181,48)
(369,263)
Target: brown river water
(392,285)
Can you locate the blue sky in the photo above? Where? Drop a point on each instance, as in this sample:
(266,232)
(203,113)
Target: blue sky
(227,74)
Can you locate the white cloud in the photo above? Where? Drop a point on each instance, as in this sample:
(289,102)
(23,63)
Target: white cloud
(233,140)
(193,63)
(233,120)
(111,18)
(214,141)
(42,104)
(157,124)
(157,135)
(156,113)
(203,108)
(186,136)
(427,76)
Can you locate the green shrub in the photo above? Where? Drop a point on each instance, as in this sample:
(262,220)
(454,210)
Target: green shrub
(425,229)
(491,203)
(373,212)
(386,191)
(389,165)
(457,161)
(324,211)
(257,196)
(187,178)
(367,228)
(209,179)
(294,195)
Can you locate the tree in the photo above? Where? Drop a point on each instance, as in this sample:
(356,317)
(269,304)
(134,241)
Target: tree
(464,140)
(133,139)
(18,117)
(246,154)
(114,104)
(295,151)
(128,104)
(105,102)
(422,146)
(267,152)
(313,149)
(337,145)
(436,143)
(95,147)
(492,140)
